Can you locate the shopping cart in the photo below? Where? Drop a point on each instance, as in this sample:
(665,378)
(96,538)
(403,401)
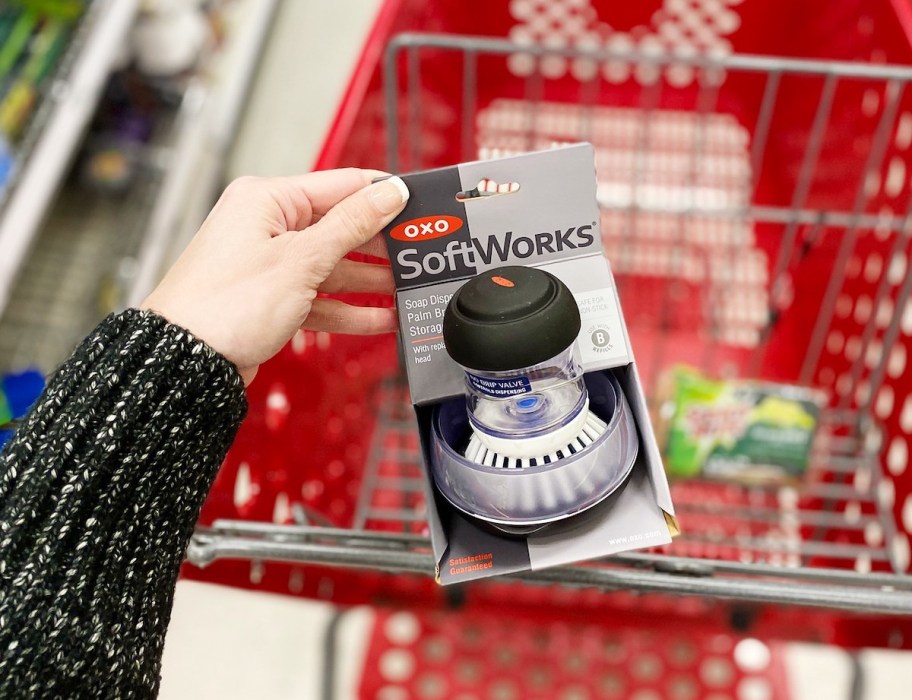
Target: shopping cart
(756,213)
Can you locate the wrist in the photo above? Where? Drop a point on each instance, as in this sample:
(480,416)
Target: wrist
(197,332)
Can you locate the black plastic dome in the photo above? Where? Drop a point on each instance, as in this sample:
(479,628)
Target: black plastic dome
(508,318)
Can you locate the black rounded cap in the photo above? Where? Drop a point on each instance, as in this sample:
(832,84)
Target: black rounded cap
(508,318)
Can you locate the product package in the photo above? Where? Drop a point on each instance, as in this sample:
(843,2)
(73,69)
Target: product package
(537,442)
(741,430)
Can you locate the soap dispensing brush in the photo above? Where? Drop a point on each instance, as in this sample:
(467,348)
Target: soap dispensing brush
(534,441)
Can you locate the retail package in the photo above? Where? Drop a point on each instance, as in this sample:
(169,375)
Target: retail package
(742,430)
(524,229)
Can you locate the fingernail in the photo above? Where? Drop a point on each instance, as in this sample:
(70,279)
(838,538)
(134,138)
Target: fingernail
(389,195)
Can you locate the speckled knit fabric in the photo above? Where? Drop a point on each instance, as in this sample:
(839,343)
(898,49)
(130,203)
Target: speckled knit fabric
(99,492)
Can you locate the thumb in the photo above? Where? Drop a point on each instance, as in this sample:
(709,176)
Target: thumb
(356,219)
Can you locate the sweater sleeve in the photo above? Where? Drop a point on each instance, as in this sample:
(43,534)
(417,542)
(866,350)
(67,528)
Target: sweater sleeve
(100,489)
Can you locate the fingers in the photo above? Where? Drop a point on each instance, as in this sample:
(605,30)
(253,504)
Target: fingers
(355,220)
(301,199)
(325,188)
(360,277)
(334,316)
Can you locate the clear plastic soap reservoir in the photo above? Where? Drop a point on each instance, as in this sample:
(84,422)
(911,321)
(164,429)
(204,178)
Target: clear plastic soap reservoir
(519,413)
(513,331)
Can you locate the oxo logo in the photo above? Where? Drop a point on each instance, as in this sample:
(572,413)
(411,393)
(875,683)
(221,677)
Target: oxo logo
(426,228)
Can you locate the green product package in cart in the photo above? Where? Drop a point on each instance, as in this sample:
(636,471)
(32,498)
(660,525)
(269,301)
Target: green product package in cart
(743,430)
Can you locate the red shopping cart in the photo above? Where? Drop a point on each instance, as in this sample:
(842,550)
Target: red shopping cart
(755,210)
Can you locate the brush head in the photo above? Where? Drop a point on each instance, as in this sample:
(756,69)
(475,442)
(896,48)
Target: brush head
(531,452)
(518,496)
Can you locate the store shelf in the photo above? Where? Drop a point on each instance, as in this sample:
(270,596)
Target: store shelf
(97,251)
(207,122)
(57,129)
(79,259)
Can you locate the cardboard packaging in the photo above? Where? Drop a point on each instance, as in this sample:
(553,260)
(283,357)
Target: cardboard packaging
(537,209)
(740,430)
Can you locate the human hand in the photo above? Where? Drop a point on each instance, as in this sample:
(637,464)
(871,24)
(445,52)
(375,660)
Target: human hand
(249,278)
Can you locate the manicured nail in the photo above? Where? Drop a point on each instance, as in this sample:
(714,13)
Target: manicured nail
(389,195)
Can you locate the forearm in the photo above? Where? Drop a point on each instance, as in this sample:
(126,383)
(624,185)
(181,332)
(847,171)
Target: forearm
(99,492)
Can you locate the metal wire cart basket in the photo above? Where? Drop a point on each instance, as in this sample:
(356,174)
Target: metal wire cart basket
(756,213)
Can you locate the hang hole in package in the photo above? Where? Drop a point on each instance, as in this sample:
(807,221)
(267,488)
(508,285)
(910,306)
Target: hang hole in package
(534,429)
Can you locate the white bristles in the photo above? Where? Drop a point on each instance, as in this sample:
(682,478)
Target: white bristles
(478,453)
(591,431)
(567,490)
(529,501)
(547,497)
(472,451)
(536,495)
(596,423)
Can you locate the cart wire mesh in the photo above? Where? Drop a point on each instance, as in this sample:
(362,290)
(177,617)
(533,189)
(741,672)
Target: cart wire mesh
(755,211)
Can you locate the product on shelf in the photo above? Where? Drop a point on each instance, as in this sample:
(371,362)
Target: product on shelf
(33,36)
(6,162)
(18,391)
(170,37)
(124,125)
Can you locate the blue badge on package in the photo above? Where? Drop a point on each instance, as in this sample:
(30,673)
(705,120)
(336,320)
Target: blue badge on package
(500,388)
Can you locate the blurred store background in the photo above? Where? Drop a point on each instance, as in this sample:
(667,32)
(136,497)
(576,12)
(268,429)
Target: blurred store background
(122,120)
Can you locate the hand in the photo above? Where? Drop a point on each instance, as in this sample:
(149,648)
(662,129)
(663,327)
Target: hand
(249,278)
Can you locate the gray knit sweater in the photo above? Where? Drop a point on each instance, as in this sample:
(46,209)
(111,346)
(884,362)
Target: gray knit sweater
(99,491)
